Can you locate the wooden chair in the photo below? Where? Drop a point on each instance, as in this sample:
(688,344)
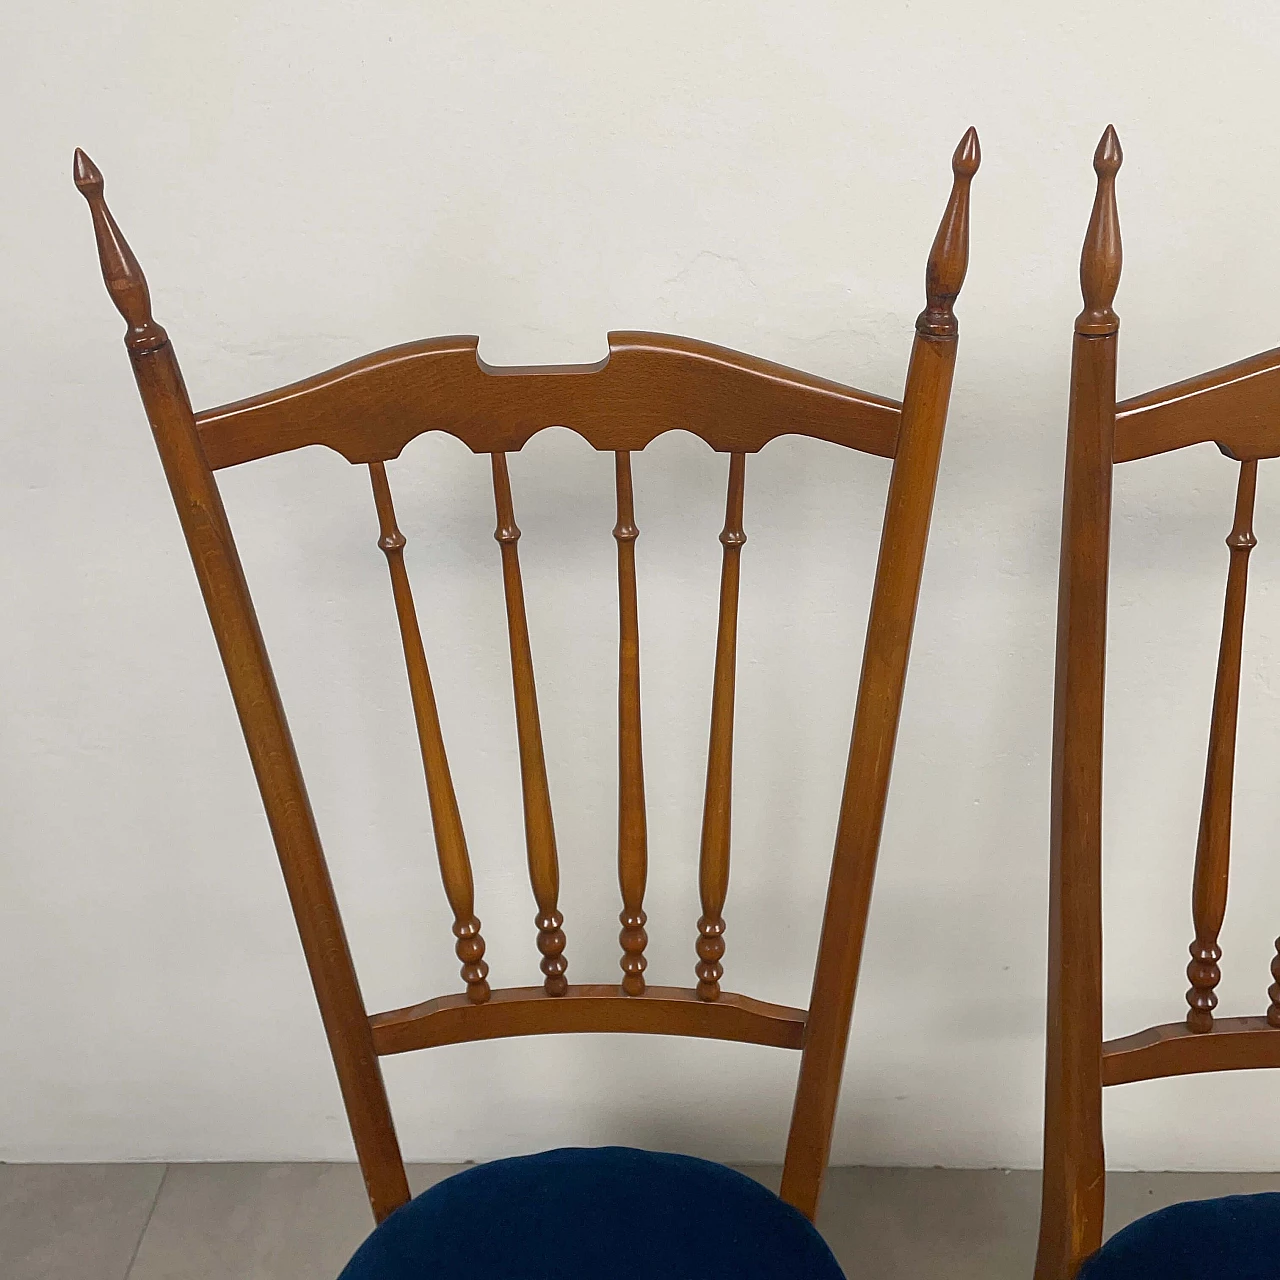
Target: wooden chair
(368,411)
(1238,408)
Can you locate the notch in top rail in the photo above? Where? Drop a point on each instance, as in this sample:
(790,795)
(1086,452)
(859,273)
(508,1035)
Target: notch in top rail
(649,383)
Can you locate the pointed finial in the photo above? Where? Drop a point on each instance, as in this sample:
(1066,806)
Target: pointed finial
(124,279)
(1101,257)
(949,257)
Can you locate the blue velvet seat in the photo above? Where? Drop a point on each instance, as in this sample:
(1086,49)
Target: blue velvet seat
(597,1213)
(1230,1238)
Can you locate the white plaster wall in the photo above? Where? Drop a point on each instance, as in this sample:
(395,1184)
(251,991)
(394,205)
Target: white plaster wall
(306,182)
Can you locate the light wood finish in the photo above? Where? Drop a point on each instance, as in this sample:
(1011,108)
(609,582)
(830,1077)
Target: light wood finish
(884,668)
(257,702)
(1213,848)
(368,410)
(529,1011)
(1235,407)
(539,829)
(633,846)
(446,821)
(713,865)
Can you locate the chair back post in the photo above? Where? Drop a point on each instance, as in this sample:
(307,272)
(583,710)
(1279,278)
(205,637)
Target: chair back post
(257,701)
(1074,1164)
(893,606)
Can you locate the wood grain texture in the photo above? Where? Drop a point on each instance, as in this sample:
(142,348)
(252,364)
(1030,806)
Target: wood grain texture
(633,841)
(650,383)
(1236,407)
(1234,1044)
(1213,846)
(368,411)
(717,809)
(446,821)
(257,701)
(1102,256)
(122,275)
(529,1011)
(539,829)
(1074,1166)
(894,595)
(949,257)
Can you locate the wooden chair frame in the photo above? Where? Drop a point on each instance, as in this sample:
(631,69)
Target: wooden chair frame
(368,411)
(1238,408)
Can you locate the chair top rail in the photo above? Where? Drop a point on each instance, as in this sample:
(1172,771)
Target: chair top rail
(1236,407)
(649,383)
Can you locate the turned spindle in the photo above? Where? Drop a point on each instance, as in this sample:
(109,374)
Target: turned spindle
(713,878)
(446,821)
(632,831)
(540,835)
(1213,845)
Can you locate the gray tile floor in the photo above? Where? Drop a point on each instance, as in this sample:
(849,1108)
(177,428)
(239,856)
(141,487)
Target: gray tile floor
(302,1221)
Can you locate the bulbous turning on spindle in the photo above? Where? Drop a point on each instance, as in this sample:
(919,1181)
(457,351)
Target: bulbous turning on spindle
(551,942)
(949,257)
(1273,991)
(1100,260)
(633,846)
(717,812)
(710,948)
(120,270)
(1213,842)
(633,939)
(469,949)
(451,842)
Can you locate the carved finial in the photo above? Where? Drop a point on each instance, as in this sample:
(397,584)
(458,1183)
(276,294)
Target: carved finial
(1100,259)
(949,257)
(124,279)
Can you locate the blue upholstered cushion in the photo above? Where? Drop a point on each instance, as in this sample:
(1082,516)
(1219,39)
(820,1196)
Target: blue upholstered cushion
(596,1213)
(1231,1238)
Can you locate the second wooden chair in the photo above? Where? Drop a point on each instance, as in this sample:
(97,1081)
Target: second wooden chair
(1238,409)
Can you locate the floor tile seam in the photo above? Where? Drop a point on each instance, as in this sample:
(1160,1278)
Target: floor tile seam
(151,1213)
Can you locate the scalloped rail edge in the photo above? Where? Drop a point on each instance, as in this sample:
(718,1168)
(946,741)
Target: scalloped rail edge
(649,383)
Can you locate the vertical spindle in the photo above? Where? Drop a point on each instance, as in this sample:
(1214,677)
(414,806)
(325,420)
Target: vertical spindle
(540,836)
(713,877)
(632,832)
(451,842)
(1213,846)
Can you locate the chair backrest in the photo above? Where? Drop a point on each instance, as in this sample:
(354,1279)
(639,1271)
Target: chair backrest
(1238,408)
(368,411)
